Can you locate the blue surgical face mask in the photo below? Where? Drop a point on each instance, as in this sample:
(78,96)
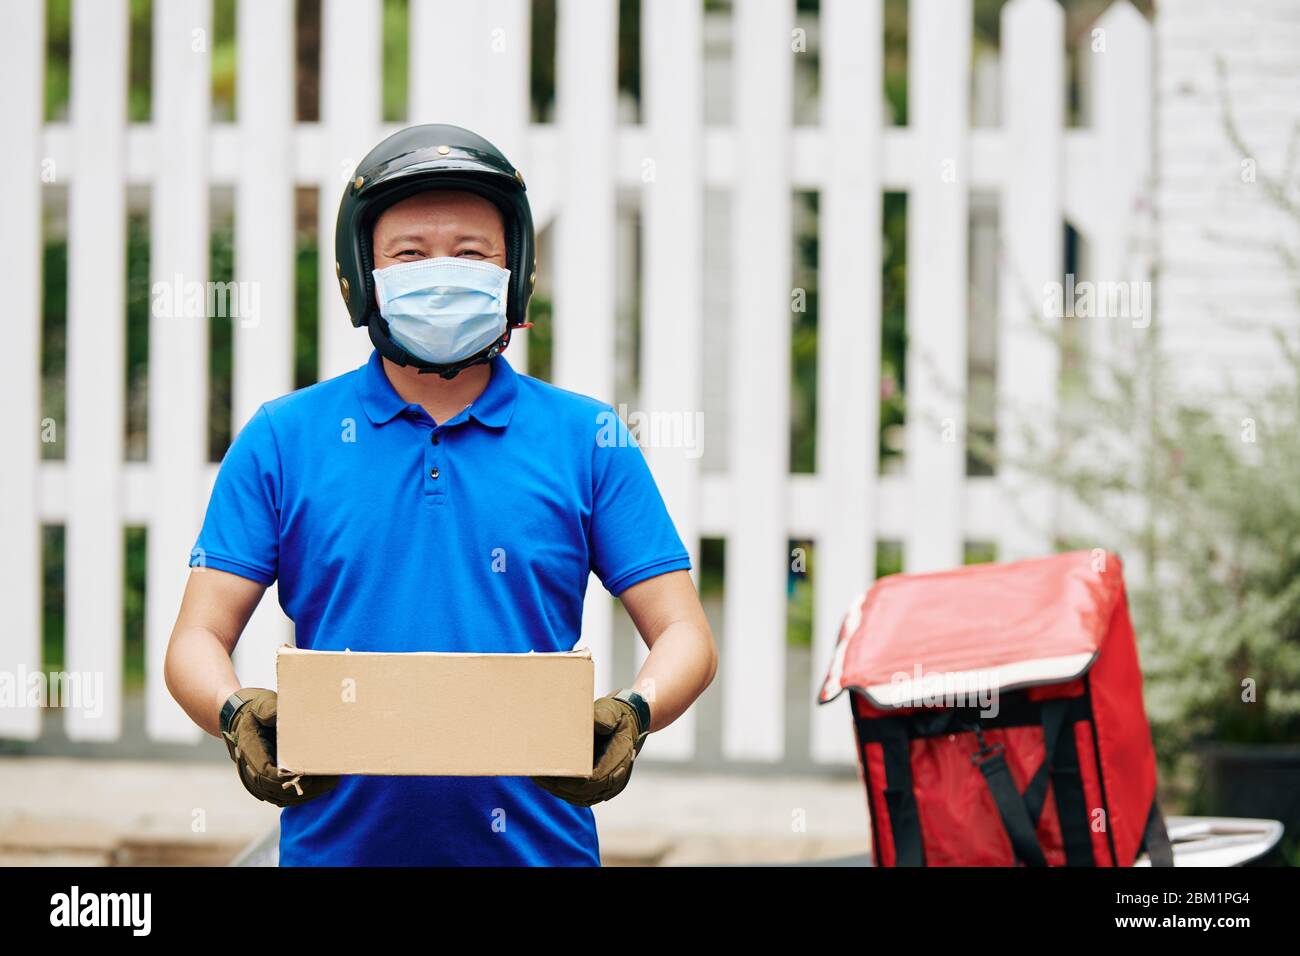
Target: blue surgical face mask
(445,309)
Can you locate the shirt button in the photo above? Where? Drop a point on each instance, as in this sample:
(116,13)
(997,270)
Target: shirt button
(433,472)
(434,438)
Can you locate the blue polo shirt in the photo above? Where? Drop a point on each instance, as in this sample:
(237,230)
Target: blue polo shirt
(389,532)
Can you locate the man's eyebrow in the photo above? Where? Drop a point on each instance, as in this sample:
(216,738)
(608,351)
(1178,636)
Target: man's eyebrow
(418,239)
(404,237)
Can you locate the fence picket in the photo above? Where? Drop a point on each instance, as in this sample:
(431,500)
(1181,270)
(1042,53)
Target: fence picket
(264,257)
(444,43)
(848,346)
(673,282)
(937,227)
(455,40)
(757,557)
(94,544)
(350,111)
(22,76)
(586,42)
(178,408)
(1033,103)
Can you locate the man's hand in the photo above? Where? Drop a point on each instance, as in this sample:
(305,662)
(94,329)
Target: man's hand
(250,741)
(619,737)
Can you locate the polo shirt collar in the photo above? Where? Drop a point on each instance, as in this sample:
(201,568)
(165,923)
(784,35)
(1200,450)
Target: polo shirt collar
(378,397)
(492,408)
(497,403)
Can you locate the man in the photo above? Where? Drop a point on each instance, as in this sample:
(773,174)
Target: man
(436,500)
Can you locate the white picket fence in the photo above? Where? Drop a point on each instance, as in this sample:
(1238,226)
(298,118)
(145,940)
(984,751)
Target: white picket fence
(469,66)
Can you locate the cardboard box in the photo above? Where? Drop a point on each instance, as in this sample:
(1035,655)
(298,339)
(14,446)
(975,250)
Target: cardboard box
(434,714)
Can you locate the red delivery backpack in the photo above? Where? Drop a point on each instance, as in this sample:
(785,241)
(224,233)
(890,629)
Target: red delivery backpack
(998,716)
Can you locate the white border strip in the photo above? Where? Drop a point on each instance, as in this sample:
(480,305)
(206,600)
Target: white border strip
(912,690)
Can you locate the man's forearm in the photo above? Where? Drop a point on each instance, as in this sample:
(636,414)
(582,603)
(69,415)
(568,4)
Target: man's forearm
(679,667)
(200,676)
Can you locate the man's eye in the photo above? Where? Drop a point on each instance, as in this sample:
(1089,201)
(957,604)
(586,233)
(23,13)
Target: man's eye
(470,252)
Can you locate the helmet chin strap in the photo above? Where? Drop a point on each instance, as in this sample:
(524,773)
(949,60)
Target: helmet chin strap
(394,352)
(448,373)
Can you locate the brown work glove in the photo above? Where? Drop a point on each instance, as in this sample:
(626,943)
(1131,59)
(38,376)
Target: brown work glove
(250,740)
(619,737)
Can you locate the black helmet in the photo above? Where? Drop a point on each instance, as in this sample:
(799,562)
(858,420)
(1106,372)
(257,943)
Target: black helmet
(413,160)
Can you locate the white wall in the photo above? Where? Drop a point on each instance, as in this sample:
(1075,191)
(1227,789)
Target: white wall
(1222,285)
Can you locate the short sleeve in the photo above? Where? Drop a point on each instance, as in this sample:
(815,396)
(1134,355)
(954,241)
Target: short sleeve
(632,536)
(241,530)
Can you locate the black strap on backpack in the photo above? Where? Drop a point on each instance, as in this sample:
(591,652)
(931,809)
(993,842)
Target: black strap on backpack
(1061,766)
(1160,851)
(1053,719)
(1021,814)
(904,824)
(992,763)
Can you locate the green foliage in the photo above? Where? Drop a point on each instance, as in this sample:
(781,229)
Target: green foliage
(138,302)
(139,95)
(133,609)
(893,326)
(713,554)
(1225,629)
(306,366)
(541,64)
(58,59)
(629,53)
(1198,493)
(803,338)
(541,337)
(221,343)
(225,58)
(54,344)
(396,30)
(895,50)
(889,558)
(799,592)
(53,549)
